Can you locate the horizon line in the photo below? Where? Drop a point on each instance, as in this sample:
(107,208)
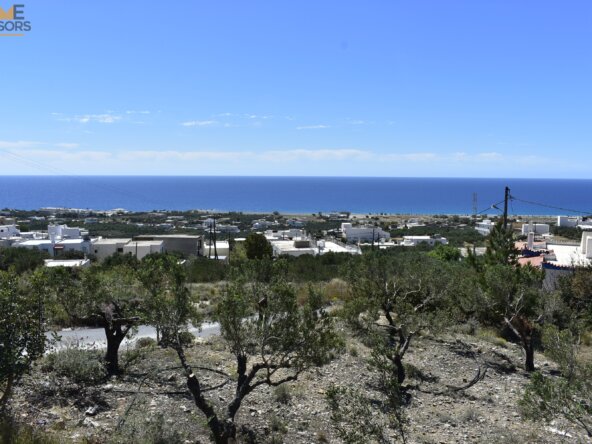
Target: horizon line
(294,176)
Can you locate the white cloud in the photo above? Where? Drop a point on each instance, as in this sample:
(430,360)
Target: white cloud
(183,155)
(67,145)
(200,123)
(137,112)
(17,144)
(323,154)
(308,127)
(107,117)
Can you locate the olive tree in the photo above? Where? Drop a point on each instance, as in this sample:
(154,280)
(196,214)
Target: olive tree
(392,299)
(22,334)
(257,246)
(515,299)
(273,340)
(566,395)
(111,298)
(168,303)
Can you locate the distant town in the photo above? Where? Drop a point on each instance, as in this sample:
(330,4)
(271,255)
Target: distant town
(76,237)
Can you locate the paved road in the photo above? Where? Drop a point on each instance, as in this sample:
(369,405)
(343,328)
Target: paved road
(95,337)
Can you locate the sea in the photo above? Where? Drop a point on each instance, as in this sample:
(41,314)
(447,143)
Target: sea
(299,195)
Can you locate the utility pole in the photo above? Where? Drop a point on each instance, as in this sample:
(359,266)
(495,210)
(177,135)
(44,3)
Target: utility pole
(210,242)
(215,247)
(506,198)
(474,206)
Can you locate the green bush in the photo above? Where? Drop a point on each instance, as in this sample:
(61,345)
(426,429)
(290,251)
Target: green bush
(186,338)
(15,433)
(80,366)
(145,343)
(139,429)
(282,394)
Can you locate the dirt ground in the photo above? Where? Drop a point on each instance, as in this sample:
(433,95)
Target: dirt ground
(114,411)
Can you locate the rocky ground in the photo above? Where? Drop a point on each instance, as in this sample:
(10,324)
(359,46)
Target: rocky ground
(113,411)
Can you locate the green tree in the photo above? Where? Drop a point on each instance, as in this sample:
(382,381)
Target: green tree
(576,292)
(566,395)
(168,303)
(500,246)
(272,338)
(257,246)
(110,298)
(21,259)
(22,329)
(405,291)
(516,299)
(445,253)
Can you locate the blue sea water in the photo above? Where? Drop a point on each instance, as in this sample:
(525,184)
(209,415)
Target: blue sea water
(295,194)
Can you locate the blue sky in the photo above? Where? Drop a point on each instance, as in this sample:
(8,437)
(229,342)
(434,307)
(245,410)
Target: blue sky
(459,88)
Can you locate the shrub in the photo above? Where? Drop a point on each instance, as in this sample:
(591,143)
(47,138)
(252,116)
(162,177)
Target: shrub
(138,429)
(145,343)
(186,338)
(80,366)
(282,394)
(492,336)
(15,433)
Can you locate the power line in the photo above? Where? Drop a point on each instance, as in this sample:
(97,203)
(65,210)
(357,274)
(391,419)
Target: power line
(569,210)
(44,167)
(491,206)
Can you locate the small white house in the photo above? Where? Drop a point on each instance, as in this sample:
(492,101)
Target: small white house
(363,233)
(140,249)
(294,247)
(484,227)
(568,221)
(103,248)
(57,232)
(412,241)
(535,228)
(222,249)
(7,231)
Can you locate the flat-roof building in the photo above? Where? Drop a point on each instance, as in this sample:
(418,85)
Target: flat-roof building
(140,249)
(187,244)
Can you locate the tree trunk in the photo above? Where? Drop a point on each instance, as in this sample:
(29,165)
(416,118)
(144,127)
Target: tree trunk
(221,431)
(6,394)
(523,328)
(528,354)
(400,369)
(114,339)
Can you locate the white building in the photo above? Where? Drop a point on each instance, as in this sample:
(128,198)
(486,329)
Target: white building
(70,263)
(284,234)
(104,248)
(484,227)
(363,234)
(7,231)
(39,244)
(140,249)
(58,232)
(222,249)
(227,229)
(294,247)
(568,221)
(261,224)
(535,228)
(295,223)
(413,241)
(328,246)
(81,245)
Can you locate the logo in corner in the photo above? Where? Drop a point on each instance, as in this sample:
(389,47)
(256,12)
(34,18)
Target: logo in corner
(13,22)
